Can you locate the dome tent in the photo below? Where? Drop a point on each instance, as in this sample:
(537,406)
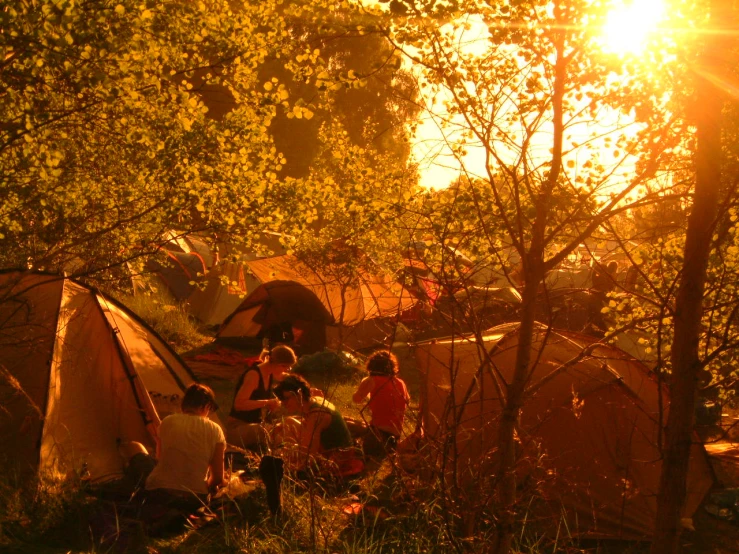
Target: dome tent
(79,375)
(591,416)
(277,310)
(320,308)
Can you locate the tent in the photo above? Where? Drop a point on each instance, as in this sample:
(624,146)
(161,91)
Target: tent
(226,286)
(79,375)
(589,429)
(576,310)
(288,312)
(177,271)
(314,309)
(570,278)
(229,280)
(350,299)
(189,244)
(491,305)
(283,312)
(210,284)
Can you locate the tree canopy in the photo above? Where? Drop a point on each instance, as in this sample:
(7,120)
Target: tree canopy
(111,134)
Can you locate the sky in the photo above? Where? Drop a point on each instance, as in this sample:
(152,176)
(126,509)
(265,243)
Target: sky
(626,31)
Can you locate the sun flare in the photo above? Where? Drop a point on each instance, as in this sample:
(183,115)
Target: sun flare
(629,24)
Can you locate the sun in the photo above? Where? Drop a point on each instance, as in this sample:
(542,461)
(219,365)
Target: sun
(629,25)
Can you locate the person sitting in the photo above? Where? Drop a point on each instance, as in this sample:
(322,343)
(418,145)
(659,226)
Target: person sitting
(254,398)
(319,436)
(388,399)
(190,453)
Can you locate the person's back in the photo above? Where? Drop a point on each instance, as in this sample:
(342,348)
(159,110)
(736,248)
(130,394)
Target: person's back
(187,445)
(388,402)
(336,434)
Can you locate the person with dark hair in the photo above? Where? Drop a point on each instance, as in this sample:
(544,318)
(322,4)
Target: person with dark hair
(190,451)
(388,399)
(316,441)
(322,428)
(254,398)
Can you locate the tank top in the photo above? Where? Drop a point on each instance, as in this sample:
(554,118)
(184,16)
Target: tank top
(337,434)
(262,392)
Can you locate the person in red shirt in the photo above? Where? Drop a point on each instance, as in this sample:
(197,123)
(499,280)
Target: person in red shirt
(388,399)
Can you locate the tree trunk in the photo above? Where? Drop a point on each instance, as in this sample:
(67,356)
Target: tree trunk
(509,418)
(686,364)
(534,272)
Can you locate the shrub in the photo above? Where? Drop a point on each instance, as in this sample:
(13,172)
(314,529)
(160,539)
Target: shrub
(329,367)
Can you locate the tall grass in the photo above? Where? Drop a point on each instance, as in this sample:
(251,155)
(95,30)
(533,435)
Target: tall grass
(169,319)
(46,511)
(402,515)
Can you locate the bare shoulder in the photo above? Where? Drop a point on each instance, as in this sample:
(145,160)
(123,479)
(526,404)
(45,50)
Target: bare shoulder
(251,379)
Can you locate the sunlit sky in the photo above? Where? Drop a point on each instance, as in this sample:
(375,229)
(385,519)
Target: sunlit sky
(626,31)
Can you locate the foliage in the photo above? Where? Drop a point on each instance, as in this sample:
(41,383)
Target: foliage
(647,310)
(114,128)
(358,84)
(650,306)
(106,141)
(570,137)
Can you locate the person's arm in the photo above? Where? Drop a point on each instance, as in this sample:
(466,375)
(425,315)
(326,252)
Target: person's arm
(406,394)
(243,402)
(363,390)
(215,479)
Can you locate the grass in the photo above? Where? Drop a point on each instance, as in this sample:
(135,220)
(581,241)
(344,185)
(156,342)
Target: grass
(43,513)
(169,319)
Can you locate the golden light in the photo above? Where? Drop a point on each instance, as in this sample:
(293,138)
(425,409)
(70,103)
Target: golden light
(629,24)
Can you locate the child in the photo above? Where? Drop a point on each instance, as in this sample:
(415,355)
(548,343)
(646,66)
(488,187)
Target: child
(388,399)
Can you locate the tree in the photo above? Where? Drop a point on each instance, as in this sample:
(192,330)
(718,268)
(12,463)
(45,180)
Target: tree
(358,85)
(523,92)
(105,142)
(111,135)
(686,361)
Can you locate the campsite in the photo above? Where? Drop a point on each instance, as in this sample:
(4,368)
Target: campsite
(440,276)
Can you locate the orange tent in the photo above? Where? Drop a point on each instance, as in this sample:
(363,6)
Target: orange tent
(350,296)
(592,418)
(355,306)
(79,374)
